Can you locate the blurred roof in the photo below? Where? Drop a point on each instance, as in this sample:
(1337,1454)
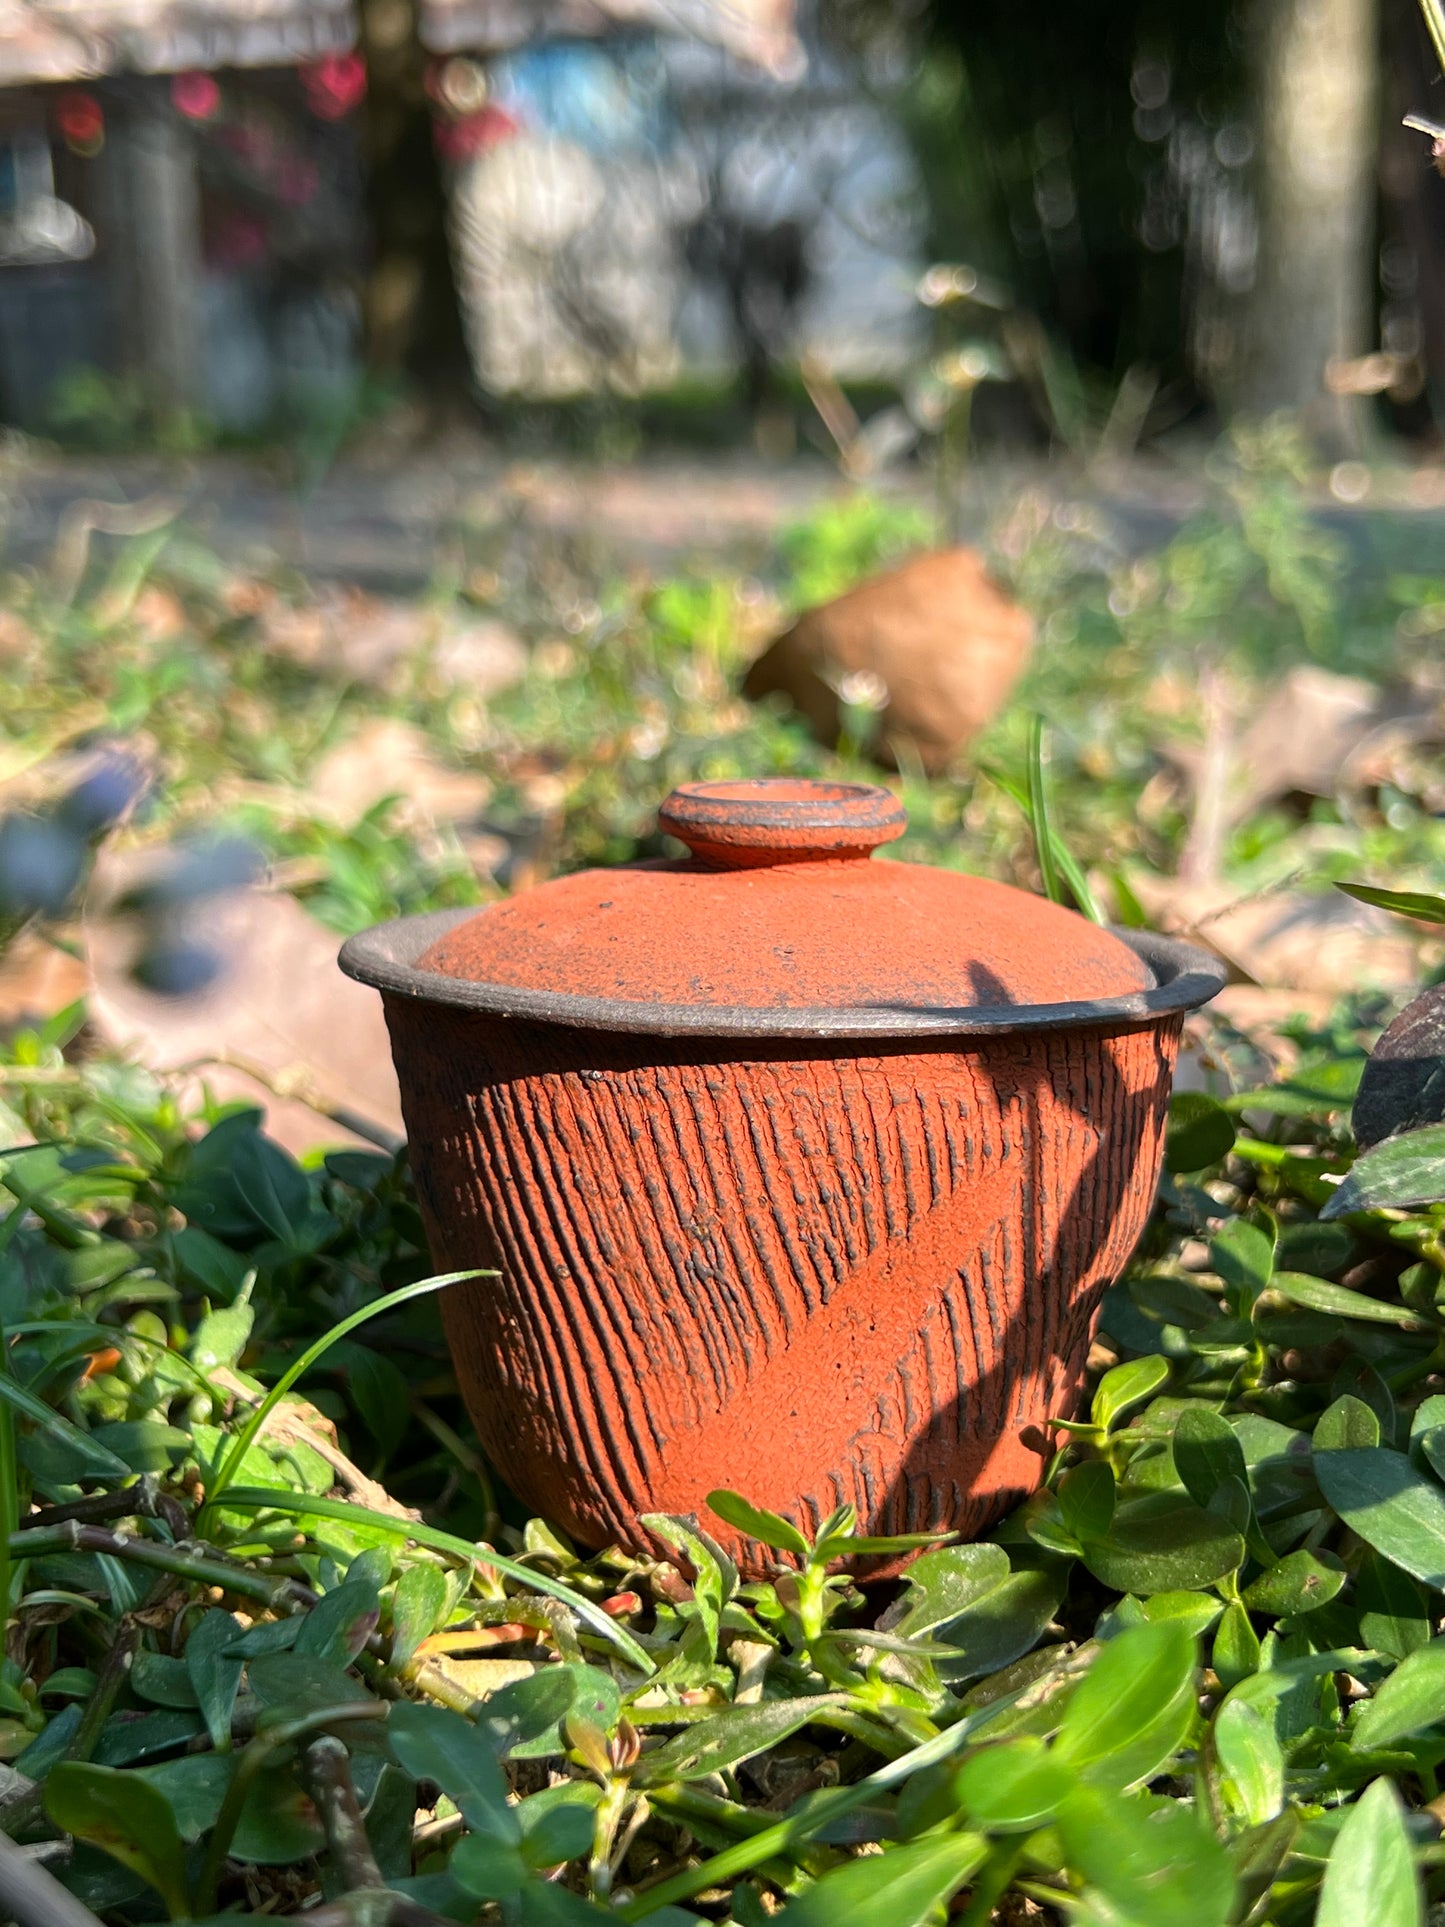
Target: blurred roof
(758,30)
(48,40)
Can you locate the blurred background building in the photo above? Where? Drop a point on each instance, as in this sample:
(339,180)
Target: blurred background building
(1104,218)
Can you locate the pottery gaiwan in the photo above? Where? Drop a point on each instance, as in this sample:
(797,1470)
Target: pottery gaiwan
(798,1173)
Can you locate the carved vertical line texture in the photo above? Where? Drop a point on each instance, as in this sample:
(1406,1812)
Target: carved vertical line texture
(774,1267)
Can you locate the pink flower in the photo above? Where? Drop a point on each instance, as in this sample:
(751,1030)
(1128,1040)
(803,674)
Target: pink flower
(335,85)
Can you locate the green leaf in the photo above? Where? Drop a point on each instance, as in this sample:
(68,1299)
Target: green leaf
(417,1605)
(254,1425)
(489,1869)
(1086,1499)
(215,1672)
(557,1824)
(222,1336)
(1162,1542)
(1404,1170)
(1206,1452)
(1347,1425)
(767,1527)
(1133,1708)
(1152,1861)
(944,1585)
(715,1577)
(1195,1611)
(299,1683)
(162,1681)
(1200,1133)
(91,1459)
(1125,1386)
(728,1738)
(144,1444)
(1236,1653)
(524,1720)
(1300,1581)
(1371,1873)
(340,1623)
(1394,1609)
(1014,1787)
(1251,1761)
(1404,903)
(433,1744)
(1338,1301)
(1393,1508)
(1405,1702)
(127,1818)
(902,1887)
(1243,1256)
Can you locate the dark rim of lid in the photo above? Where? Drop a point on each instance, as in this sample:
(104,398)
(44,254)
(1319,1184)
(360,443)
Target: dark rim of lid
(386,958)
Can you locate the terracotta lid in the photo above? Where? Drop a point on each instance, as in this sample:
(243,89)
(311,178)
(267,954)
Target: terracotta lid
(779,918)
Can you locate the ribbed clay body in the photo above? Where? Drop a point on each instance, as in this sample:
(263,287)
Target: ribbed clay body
(814,1277)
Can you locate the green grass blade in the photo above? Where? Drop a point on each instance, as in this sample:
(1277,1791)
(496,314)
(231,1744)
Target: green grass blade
(263,1499)
(1434,13)
(1063,877)
(230,1465)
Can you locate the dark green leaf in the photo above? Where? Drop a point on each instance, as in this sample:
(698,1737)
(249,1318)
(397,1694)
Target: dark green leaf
(1394,1610)
(297,1683)
(524,1720)
(900,1888)
(1393,1508)
(1371,1873)
(126,1817)
(1201,1132)
(432,1744)
(1404,1170)
(1086,1500)
(557,1824)
(1339,1302)
(215,1672)
(339,1625)
(1404,903)
(1162,1542)
(162,1681)
(488,1868)
(1206,1452)
(417,1606)
(1243,1256)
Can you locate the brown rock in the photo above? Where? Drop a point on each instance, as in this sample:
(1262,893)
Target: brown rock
(936,643)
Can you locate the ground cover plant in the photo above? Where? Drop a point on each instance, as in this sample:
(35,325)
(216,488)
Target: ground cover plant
(277,1645)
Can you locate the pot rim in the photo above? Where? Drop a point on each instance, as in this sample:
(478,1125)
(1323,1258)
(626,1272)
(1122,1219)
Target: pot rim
(386,958)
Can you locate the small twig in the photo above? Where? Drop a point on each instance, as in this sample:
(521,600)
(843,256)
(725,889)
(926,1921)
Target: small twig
(143,1500)
(34,1898)
(257,1754)
(114,1673)
(326,1772)
(286,1595)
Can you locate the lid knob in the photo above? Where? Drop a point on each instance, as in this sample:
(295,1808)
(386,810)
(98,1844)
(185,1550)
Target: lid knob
(747,824)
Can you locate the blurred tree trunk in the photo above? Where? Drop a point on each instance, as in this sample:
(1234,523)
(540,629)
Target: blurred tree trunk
(1317,75)
(412,314)
(155,214)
